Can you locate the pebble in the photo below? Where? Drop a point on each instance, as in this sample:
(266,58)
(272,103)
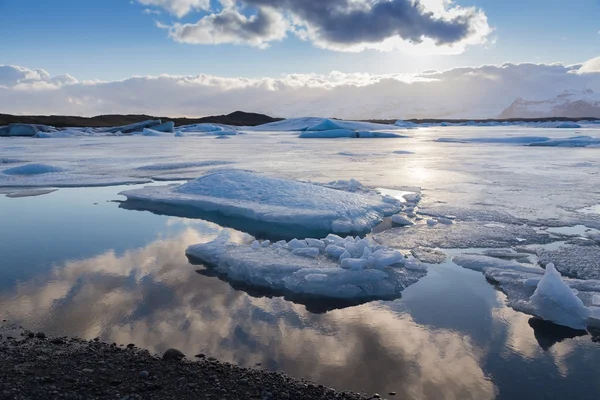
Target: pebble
(144,374)
(392,393)
(87,371)
(173,354)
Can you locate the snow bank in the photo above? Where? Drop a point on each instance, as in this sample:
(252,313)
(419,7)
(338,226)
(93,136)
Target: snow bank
(331,268)
(272,200)
(32,169)
(554,301)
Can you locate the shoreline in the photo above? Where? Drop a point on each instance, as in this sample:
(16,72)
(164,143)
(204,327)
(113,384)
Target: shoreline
(33,366)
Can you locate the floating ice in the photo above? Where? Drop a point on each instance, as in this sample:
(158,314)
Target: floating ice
(285,268)
(554,301)
(152,132)
(32,169)
(182,165)
(498,140)
(136,127)
(461,235)
(319,124)
(577,141)
(568,125)
(275,201)
(401,220)
(576,261)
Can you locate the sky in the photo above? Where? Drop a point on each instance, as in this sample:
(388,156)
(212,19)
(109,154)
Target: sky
(267,41)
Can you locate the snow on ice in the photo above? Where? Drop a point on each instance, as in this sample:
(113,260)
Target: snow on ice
(348,268)
(243,194)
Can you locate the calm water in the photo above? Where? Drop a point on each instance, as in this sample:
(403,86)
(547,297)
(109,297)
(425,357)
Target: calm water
(73,262)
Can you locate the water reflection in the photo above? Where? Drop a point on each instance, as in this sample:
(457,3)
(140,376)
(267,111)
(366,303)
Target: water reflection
(152,297)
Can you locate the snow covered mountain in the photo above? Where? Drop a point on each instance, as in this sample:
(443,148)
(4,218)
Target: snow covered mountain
(570,103)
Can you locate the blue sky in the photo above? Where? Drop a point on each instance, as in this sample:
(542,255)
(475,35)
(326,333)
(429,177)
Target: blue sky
(115,39)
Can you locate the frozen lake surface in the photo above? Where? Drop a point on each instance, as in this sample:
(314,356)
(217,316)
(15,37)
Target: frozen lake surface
(83,261)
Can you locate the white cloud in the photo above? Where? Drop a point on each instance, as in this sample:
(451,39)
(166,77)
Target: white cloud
(470,92)
(178,8)
(149,11)
(230,26)
(590,66)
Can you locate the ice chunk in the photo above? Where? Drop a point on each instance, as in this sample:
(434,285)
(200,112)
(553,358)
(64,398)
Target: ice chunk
(334,251)
(480,263)
(427,255)
(19,130)
(329,134)
(400,220)
(164,127)
(297,244)
(445,221)
(596,300)
(152,132)
(32,169)
(432,222)
(319,244)
(306,252)
(568,125)
(284,202)
(136,127)
(385,258)
(554,301)
(307,274)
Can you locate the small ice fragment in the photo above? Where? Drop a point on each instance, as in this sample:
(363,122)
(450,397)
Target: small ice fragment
(315,277)
(414,265)
(596,300)
(554,301)
(445,221)
(400,220)
(315,243)
(385,258)
(334,251)
(531,282)
(265,243)
(345,255)
(335,239)
(297,244)
(352,249)
(432,222)
(306,252)
(255,245)
(281,243)
(354,263)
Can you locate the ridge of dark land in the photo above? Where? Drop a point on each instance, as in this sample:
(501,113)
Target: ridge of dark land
(237,118)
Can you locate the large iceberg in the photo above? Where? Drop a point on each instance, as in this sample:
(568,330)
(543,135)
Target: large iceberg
(332,268)
(282,202)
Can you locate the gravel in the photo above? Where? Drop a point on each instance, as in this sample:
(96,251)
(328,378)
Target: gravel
(36,367)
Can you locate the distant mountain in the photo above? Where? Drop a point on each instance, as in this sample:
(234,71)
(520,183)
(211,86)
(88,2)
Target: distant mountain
(238,118)
(569,104)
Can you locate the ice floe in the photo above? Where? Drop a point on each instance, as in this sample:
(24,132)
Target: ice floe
(461,235)
(32,169)
(533,290)
(281,202)
(182,165)
(348,268)
(577,261)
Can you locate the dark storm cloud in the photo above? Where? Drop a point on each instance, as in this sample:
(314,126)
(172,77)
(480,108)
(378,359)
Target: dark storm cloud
(349,22)
(345,25)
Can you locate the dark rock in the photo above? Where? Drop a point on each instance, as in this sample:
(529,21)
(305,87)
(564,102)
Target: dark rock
(200,355)
(57,341)
(173,354)
(40,335)
(144,374)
